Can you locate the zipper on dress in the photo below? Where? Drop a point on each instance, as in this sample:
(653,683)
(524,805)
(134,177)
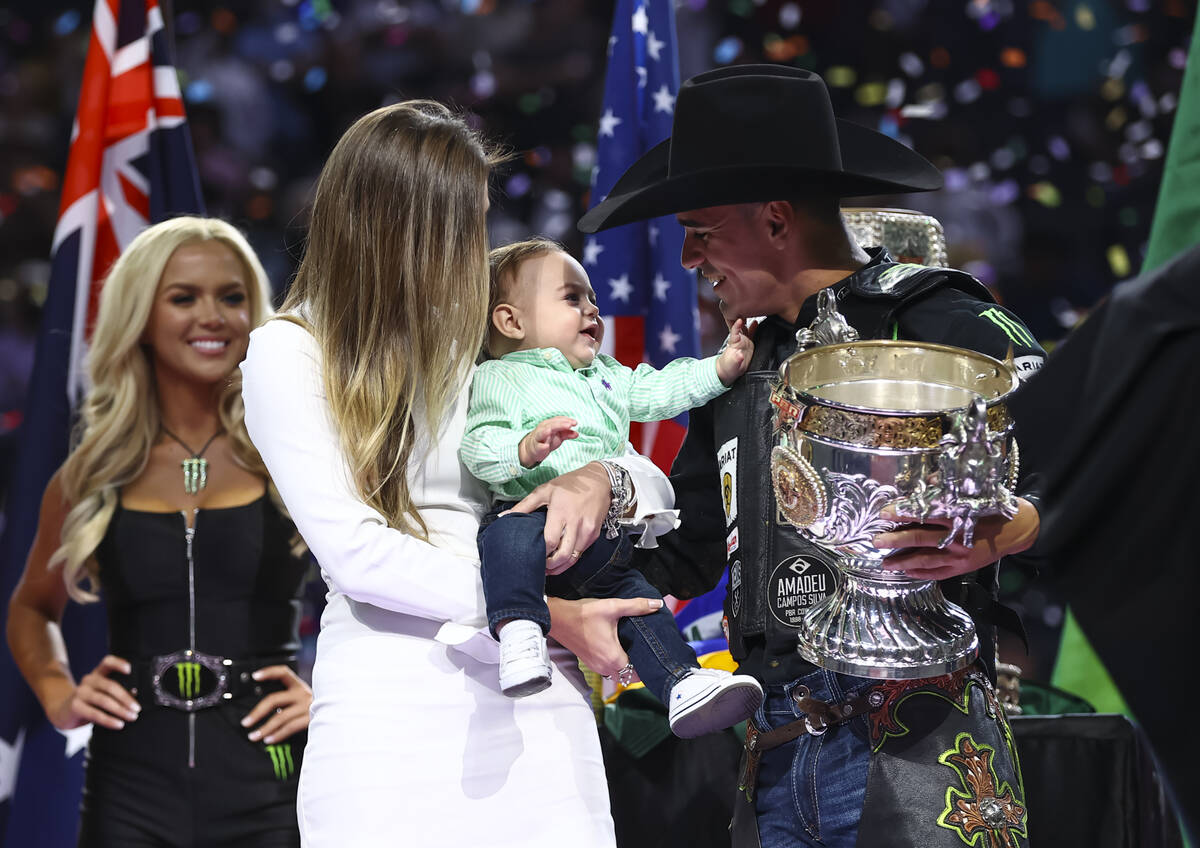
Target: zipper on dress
(189,537)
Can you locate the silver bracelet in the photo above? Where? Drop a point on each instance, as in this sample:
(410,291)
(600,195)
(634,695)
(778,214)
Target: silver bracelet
(623,497)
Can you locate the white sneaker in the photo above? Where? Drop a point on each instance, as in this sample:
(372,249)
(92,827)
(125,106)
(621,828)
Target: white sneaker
(524,660)
(709,699)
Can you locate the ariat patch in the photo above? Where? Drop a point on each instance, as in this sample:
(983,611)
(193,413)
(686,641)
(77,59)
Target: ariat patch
(984,811)
(727,460)
(796,585)
(1027,366)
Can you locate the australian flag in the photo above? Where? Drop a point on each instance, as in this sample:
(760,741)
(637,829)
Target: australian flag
(646,297)
(130,165)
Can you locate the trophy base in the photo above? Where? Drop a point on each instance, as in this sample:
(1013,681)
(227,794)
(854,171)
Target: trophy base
(887,629)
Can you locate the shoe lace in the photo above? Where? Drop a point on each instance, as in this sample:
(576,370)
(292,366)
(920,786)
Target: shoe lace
(527,644)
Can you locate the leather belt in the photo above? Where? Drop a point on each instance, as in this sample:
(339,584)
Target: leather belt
(818,717)
(191,680)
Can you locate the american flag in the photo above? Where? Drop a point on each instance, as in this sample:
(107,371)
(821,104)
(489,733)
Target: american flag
(130,165)
(647,298)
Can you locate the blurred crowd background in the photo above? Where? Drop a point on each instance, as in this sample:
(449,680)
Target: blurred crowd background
(1049,118)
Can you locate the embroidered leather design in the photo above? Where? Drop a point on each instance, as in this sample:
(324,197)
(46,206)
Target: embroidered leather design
(954,689)
(984,811)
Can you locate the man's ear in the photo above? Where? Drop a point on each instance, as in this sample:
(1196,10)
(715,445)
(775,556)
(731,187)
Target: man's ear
(506,318)
(780,218)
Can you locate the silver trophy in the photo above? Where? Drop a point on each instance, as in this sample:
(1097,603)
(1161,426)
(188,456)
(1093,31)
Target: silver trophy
(867,424)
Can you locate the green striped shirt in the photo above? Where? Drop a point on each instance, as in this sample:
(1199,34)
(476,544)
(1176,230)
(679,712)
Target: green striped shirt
(512,395)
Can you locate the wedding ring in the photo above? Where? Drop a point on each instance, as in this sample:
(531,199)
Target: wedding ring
(574,554)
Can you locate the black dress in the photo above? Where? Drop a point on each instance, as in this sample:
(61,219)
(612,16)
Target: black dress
(227,587)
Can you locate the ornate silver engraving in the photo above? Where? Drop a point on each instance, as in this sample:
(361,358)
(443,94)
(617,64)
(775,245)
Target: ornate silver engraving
(854,520)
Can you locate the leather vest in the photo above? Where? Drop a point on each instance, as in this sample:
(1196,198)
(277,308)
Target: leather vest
(775,575)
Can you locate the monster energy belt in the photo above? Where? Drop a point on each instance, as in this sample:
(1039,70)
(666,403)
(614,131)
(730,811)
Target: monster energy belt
(190,680)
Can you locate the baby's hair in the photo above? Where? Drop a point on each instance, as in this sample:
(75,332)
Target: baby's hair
(503,263)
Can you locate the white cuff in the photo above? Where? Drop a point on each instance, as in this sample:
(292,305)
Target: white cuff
(652,525)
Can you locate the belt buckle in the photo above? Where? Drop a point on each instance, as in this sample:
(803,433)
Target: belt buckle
(194,689)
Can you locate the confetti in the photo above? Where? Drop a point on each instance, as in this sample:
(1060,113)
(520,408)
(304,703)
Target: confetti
(1012,57)
(1046,194)
(911,64)
(789,15)
(1118,260)
(840,76)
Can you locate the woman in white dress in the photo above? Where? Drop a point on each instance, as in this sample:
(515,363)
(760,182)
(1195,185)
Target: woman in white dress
(357,404)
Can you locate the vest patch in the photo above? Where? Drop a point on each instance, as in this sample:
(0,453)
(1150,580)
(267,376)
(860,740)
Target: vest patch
(1027,366)
(796,585)
(731,543)
(727,459)
(735,590)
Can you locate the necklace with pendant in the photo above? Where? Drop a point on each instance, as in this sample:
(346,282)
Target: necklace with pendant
(195,467)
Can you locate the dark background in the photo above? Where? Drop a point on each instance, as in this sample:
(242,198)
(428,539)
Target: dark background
(1050,120)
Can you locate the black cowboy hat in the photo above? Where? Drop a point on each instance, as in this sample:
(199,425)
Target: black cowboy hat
(758,132)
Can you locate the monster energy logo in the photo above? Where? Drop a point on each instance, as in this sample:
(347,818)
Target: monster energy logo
(1012,328)
(188,675)
(281,759)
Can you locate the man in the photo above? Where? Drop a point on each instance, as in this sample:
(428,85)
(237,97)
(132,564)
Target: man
(754,171)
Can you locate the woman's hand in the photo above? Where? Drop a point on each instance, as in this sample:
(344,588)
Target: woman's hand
(288,709)
(995,536)
(97,699)
(588,628)
(576,505)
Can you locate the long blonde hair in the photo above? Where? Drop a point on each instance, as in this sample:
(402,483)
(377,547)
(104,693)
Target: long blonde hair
(119,419)
(394,286)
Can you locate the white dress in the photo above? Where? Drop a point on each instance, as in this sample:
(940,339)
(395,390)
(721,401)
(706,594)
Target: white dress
(411,741)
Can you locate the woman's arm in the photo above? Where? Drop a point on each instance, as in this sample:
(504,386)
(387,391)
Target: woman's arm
(289,422)
(34,636)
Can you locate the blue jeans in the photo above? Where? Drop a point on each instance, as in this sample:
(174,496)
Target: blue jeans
(512,550)
(810,791)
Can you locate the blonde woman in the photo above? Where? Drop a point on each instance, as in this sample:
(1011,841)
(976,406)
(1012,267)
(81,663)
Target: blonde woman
(357,404)
(198,718)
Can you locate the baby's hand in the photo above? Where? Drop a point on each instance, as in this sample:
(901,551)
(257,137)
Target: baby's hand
(735,358)
(543,439)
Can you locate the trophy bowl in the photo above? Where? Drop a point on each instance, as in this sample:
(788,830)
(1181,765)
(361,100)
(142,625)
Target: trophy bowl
(867,424)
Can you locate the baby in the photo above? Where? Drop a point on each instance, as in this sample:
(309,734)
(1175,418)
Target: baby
(549,403)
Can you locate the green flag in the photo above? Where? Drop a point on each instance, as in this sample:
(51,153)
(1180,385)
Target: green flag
(1176,227)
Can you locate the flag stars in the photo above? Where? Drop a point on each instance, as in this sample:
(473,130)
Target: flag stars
(641,72)
(652,233)
(664,101)
(591,251)
(621,289)
(612,42)
(654,46)
(609,122)
(640,21)
(661,286)
(668,339)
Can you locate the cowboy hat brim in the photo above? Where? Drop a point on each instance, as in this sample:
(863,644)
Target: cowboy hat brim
(872,163)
